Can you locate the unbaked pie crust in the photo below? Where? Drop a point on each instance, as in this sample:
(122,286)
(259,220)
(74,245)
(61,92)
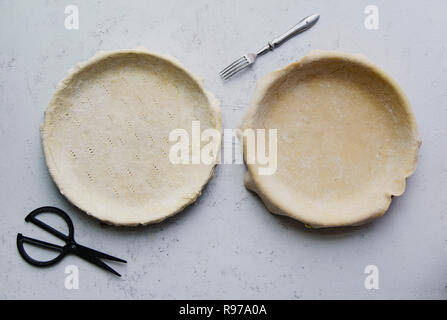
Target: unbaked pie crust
(106,136)
(347,140)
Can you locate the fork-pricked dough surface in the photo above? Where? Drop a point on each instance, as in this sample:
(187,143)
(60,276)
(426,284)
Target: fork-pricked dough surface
(347,140)
(106,136)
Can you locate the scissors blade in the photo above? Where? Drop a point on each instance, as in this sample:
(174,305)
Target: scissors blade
(92,258)
(100,254)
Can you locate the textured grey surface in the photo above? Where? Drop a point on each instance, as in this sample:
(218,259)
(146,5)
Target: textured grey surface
(226,245)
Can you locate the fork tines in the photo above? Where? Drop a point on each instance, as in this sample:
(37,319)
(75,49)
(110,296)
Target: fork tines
(234,68)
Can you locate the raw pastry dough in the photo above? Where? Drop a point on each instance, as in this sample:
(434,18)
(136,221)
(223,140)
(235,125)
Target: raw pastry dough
(106,136)
(347,140)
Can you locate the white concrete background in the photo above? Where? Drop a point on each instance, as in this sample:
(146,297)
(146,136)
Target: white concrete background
(226,245)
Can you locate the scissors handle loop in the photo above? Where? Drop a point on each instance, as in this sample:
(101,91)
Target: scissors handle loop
(21,240)
(32,218)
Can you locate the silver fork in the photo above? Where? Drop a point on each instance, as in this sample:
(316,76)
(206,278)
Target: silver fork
(249,58)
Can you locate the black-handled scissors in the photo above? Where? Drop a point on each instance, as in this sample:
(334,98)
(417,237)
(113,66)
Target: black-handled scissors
(71,246)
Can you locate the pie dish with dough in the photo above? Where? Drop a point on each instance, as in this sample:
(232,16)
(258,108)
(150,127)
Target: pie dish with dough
(106,132)
(347,140)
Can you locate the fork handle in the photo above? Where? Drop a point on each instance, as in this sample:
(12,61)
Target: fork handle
(301,26)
